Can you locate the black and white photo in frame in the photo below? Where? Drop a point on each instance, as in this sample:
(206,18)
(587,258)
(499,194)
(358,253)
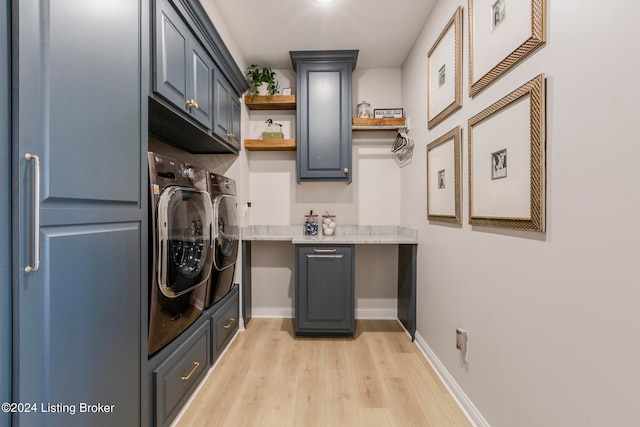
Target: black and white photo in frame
(509,135)
(499,164)
(444,178)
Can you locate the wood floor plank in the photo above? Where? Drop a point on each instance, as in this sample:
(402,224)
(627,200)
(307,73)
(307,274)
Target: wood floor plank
(268,377)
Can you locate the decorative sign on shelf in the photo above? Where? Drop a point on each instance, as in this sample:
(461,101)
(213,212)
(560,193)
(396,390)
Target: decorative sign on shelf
(380,113)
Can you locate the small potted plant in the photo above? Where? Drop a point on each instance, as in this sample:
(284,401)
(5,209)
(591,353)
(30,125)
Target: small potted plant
(262,81)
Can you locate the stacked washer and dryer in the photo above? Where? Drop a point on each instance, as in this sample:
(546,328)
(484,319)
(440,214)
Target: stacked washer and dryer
(193,245)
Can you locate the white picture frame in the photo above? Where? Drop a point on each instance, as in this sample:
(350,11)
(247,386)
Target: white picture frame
(513,126)
(501,34)
(444,72)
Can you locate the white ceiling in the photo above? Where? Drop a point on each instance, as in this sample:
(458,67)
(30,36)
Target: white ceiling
(382,30)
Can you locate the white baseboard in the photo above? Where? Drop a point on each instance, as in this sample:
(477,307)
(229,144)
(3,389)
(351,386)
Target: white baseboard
(377,313)
(288,313)
(471,412)
(270,313)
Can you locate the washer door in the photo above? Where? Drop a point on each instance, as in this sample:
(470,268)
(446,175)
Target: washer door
(184,240)
(227,232)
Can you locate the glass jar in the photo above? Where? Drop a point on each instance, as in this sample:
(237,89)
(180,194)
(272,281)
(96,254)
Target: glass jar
(364,110)
(310,224)
(328,225)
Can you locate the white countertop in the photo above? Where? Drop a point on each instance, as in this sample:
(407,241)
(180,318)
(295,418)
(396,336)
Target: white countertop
(345,234)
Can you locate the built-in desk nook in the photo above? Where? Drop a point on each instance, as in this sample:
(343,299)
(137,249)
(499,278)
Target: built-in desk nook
(324,274)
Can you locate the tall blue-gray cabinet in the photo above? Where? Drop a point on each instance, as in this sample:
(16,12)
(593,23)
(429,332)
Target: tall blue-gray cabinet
(5,211)
(325,288)
(79,214)
(182,67)
(324,114)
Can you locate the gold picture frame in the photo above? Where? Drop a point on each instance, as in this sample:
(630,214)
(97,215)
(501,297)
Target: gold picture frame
(506,143)
(501,34)
(444,178)
(444,72)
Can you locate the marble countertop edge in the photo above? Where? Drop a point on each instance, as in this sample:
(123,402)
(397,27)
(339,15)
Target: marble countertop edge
(345,234)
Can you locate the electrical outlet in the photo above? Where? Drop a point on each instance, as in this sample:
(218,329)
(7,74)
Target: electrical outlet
(462,343)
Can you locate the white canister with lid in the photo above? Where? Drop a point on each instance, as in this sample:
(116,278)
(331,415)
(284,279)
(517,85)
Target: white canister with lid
(328,224)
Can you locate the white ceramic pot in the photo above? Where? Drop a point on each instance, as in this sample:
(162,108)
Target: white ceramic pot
(263,89)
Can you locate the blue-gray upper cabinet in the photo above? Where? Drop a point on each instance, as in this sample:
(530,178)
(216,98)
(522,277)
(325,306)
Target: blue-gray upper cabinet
(324,114)
(325,287)
(186,50)
(182,68)
(79,332)
(226,113)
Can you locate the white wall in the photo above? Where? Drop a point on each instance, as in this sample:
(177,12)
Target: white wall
(552,317)
(373,198)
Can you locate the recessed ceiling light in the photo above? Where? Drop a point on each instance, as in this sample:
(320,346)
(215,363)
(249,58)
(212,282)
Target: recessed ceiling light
(325,1)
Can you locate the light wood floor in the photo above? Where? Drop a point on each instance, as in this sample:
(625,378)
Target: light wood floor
(268,377)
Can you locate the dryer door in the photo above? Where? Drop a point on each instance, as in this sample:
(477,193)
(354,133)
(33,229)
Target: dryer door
(227,232)
(184,252)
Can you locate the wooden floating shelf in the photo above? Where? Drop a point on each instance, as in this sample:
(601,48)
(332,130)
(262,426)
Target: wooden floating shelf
(270,144)
(383,124)
(274,102)
(375,128)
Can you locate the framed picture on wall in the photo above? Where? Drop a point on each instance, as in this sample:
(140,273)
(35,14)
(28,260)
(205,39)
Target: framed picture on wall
(507,161)
(444,182)
(444,72)
(501,34)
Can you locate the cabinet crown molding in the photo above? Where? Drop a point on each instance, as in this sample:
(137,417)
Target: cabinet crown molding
(317,56)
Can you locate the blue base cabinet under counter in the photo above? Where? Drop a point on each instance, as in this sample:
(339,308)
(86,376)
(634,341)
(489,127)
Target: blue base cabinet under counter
(325,288)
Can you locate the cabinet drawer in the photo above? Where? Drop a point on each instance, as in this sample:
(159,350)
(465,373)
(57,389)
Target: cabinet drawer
(224,324)
(178,376)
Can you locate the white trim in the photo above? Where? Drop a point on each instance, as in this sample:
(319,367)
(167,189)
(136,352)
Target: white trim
(377,313)
(272,313)
(470,411)
(361,313)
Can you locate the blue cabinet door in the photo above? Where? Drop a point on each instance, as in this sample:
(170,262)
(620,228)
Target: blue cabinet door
(226,111)
(324,121)
(325,288)
(171,55)
(5,213)
(79,106)
(235,121)
(201,90)
(222,107)
(182,69)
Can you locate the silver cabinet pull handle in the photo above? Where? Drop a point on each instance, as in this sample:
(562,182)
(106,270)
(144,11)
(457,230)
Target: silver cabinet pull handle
(325,251)
(36,213)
